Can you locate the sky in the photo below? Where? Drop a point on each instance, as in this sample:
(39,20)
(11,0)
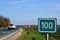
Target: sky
(24,12)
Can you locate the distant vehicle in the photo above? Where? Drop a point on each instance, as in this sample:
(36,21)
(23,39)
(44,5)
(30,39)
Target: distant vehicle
(11,26)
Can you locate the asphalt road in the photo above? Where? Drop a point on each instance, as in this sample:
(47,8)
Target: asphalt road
(5,31)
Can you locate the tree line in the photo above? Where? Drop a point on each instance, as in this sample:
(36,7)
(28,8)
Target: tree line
(4,22)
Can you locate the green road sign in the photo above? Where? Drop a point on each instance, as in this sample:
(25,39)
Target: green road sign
(47,25)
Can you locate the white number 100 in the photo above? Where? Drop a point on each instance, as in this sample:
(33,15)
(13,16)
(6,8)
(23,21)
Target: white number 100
(47,25)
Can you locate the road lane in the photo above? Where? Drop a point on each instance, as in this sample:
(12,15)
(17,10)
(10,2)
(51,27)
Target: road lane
(5,31)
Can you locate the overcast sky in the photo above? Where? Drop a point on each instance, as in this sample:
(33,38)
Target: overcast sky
(28,11)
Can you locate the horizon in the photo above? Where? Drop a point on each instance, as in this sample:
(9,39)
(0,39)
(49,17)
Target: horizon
(24,12)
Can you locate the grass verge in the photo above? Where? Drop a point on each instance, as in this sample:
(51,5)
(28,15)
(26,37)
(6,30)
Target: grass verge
(29,34)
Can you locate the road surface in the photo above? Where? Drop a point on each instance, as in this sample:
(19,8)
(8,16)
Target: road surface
(5,31)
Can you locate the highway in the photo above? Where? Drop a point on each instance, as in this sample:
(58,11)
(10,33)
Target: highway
(5,31)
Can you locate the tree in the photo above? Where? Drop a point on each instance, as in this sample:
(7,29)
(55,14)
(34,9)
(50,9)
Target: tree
(4,22)
(7,21)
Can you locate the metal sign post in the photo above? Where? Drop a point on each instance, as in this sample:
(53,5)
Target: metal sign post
(47,36)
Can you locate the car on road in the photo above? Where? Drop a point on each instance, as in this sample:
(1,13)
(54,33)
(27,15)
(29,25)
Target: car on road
(11,26)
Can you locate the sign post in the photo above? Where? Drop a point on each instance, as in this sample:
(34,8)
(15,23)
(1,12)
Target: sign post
(47,36)
(47,25)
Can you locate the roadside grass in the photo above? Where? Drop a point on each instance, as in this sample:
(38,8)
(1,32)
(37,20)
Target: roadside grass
(56,36)
(30,34)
